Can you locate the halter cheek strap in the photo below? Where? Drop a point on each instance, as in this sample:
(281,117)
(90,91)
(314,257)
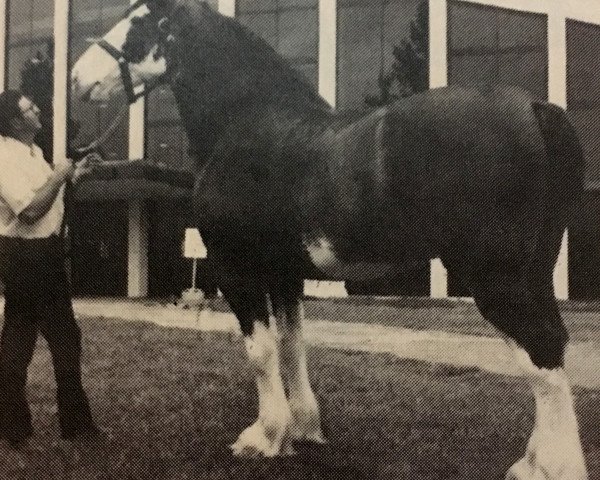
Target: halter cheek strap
(124,69)
(110,49)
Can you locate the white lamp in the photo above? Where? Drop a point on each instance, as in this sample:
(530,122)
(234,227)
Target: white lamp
(193,248)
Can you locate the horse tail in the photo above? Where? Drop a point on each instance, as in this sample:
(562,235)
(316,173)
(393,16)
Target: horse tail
(566,162)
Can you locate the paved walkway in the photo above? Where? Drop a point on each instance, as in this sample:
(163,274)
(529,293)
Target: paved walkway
(491,354)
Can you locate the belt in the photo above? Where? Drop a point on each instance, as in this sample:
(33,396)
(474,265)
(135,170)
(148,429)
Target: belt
(18,241)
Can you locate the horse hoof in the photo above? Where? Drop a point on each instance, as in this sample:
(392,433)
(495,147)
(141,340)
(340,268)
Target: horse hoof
(315,437)
(529,469)
(254,442)
(306,425)
(12,459)
(318,439)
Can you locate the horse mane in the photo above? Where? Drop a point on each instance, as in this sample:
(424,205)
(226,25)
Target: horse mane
(235,58)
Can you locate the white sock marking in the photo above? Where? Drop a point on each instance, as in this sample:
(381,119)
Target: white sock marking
(303,404)
(269,435)
(554,450)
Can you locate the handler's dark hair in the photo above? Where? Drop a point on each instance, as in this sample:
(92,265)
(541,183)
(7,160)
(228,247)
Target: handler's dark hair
(9,109)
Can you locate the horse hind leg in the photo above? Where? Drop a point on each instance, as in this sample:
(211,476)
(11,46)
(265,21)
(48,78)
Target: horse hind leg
(289,313)
(554,450)
(522,306)
(269,435)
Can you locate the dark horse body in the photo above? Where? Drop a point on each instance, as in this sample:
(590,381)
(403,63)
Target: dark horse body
(483,178)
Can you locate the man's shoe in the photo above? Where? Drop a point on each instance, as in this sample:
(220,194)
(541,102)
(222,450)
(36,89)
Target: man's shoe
(68,450)
(12,455)
(90,435)
(72,445)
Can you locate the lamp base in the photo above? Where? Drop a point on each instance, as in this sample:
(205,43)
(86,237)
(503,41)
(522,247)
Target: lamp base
(192,297)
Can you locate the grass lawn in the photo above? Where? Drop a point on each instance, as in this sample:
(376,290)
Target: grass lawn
(173,400)
(582,319)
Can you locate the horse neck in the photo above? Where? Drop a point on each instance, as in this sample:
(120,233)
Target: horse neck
(230,104)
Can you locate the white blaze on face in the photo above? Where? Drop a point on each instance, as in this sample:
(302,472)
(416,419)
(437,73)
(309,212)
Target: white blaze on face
(96,73)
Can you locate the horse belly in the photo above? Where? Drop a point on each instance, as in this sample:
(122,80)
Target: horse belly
(323,257)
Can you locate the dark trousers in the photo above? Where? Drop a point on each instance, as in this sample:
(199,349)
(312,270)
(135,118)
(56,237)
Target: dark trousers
(37,299)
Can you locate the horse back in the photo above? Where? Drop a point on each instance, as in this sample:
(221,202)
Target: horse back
(450,170)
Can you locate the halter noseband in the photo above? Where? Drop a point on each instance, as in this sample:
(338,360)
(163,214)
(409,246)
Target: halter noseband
(124,63)
(123,68)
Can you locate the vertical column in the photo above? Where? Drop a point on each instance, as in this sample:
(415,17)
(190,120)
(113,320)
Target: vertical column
(61,79)
(3,42)
(438,77)
(557,93)
(137,244)
(328,50)
(327,90)
(438,43)
(227,7)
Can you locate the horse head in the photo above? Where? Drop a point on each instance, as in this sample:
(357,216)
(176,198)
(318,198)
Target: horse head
(210,60)
(126,58)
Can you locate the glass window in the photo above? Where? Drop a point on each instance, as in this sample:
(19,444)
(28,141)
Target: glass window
(168,144)
(92,19)
(161,105)
(583,105)
(494,45)
(359,53)
(584,249)
(289,26)
(249,6)
(368,31)
(169,273)
(98,230)
(583,89)
(98,233)
(30,30)
(166,140)
(263,24)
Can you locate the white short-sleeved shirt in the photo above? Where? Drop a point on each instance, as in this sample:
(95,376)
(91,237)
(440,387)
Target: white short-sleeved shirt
(23,171)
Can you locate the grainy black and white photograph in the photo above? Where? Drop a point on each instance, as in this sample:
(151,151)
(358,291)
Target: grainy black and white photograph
(300,239)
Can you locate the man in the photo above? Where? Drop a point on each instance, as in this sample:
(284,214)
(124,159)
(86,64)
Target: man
(32,268)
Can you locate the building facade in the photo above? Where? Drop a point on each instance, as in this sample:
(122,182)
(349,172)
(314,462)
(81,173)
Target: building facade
(343,47)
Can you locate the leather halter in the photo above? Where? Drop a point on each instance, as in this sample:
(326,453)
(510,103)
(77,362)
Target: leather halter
(124,69)
(124,63)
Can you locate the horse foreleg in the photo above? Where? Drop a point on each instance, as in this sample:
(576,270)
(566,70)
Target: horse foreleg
(269,435)
(554,450)
(306,419)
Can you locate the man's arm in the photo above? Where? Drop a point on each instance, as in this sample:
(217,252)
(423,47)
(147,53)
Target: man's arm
(44,197)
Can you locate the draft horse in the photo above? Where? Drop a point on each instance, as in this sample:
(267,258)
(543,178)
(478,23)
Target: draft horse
(483,178)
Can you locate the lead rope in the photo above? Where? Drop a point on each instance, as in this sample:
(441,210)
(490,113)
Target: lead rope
(79,154)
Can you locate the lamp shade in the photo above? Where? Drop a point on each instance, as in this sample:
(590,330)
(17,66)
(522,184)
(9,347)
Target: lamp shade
(193,246)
